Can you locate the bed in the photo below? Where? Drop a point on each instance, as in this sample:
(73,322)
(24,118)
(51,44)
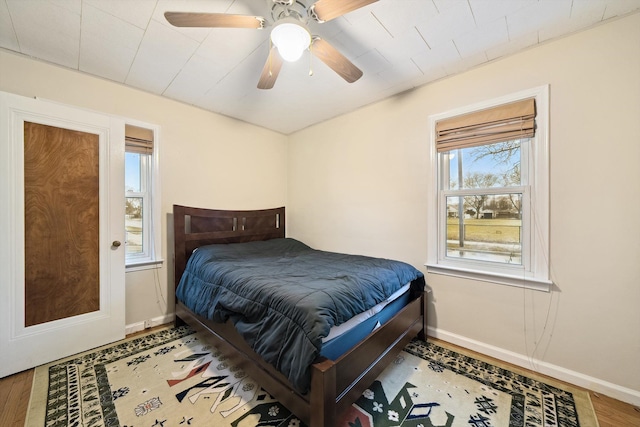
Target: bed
(334,384)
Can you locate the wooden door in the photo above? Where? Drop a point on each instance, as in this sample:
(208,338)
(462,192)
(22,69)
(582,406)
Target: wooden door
(62,290)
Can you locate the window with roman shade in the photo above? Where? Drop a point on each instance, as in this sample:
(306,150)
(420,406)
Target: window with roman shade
(489,210)
(141,197)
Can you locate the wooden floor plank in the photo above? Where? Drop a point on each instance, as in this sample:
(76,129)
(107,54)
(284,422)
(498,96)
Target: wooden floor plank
(24,396)
(614,413)
(6,384)
(15,391)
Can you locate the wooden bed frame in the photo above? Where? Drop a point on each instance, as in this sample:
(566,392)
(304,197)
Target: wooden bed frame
(335,385)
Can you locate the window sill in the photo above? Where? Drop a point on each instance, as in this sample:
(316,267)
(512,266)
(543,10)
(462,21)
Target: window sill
(485,276)
(143,265)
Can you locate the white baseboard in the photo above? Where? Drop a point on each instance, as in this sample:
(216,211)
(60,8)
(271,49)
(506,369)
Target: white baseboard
(146,324)
(585,381)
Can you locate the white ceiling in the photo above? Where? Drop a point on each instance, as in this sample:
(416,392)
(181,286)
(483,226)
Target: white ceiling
(398,44)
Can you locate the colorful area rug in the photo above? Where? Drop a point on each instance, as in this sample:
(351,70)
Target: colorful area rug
(173,378)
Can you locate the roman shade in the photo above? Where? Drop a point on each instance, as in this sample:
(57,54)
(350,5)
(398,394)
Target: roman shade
(138,140)
(501,123)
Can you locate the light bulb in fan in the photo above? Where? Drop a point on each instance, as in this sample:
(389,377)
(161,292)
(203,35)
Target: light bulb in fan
(291,38)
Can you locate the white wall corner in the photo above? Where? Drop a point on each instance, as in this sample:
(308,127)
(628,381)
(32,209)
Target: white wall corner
(156,321)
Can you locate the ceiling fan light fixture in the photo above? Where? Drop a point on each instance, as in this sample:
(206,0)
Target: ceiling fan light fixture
(291,38)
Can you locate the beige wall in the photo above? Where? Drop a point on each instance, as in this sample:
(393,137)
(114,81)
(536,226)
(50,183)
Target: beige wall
(232,165)
(358,183)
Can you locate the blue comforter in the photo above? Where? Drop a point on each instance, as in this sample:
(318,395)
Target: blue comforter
(283,296)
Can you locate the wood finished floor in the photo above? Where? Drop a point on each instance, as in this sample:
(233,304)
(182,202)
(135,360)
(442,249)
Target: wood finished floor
(16,389)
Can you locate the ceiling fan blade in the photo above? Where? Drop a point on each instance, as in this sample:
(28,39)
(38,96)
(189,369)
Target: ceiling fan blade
(271,70)
(335,60)
(217,20)
(326,10)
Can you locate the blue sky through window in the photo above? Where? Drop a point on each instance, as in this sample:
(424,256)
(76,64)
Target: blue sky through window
(132,172)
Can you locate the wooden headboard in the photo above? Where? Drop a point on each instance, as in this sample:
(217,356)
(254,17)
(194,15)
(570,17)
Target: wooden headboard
(195,227)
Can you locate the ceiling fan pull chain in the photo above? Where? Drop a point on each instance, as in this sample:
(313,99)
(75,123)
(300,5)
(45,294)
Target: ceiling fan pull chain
(310,60)
(270,52)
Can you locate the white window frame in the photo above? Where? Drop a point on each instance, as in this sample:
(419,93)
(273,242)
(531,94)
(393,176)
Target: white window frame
(150,257)
(534,271)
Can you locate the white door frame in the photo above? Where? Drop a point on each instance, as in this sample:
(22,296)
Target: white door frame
(26,347)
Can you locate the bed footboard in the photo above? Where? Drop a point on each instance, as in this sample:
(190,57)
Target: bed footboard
(335,385)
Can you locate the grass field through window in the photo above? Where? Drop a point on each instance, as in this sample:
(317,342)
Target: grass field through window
(486,239)
(485,230)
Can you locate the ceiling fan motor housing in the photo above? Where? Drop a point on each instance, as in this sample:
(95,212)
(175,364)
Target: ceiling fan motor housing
(281,9)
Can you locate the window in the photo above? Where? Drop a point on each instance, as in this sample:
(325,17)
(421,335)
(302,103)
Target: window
(489,195)
(141,200)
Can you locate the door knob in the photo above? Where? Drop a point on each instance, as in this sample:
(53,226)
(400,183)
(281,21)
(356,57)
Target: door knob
(116,243)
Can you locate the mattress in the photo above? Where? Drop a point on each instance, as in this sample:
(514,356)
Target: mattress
(360,328)
(338,330)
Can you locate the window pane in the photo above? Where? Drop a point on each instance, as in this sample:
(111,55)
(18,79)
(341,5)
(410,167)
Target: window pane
(132,172)
(486,166)
(133,225)
(485,227)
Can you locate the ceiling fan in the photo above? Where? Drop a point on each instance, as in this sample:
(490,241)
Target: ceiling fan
(290,35)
